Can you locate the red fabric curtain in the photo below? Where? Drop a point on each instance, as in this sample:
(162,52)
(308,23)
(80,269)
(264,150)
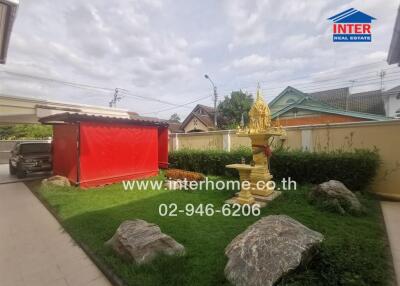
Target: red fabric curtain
(65,152)
(163,147)
(111,152)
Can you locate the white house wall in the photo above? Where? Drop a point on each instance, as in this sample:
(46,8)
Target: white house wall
(195,124)
(392,104)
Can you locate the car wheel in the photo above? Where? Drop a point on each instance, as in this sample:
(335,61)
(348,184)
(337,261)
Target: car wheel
(21,173)
(11,168)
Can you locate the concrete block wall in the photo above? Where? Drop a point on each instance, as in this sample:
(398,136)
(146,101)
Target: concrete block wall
(381,135)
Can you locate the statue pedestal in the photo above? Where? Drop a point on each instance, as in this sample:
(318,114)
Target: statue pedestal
(260,174)
(244,196)
(257,191)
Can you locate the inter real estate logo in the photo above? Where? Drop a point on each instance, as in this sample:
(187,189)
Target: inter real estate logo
(352,26)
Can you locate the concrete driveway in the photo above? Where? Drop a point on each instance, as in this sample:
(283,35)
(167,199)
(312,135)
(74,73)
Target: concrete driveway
(35,249)
(6,178)
(391,214)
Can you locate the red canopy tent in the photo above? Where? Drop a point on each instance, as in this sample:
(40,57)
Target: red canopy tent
(93,150)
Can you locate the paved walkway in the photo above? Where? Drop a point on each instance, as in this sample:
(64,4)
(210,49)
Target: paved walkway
(34,249)
(391,213)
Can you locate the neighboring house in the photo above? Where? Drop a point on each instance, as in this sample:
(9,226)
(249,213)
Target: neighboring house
(8,11)
(175,127)
(200,119)
(394,50)
(293,107)
(392,102)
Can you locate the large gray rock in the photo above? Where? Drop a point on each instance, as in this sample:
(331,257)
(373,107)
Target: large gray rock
(335,196)
(56,181)
(268,250)
(143,241)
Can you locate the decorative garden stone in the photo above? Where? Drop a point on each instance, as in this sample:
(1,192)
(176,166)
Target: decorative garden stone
(142,241)
(56,181)
(336,196)
(268,250)
(259,131)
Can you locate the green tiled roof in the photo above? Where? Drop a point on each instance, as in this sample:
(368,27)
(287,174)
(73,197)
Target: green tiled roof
(307,103)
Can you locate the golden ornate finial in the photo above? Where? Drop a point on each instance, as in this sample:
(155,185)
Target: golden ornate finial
(258,94)
(259,115)
(260,119)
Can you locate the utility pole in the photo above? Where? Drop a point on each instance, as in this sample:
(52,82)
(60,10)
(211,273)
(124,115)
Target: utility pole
(349,93)
(113,102)
(382,75)
(215,101)
(215,107)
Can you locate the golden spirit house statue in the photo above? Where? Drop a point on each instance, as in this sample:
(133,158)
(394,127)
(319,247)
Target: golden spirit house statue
(260,130)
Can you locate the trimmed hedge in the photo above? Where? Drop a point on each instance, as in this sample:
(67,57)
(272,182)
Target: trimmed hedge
(355,169)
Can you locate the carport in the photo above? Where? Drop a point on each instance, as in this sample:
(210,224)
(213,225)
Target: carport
(25,110)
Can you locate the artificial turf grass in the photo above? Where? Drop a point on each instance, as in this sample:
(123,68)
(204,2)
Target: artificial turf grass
(354,251)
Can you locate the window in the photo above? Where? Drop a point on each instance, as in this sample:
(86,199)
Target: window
(398,96)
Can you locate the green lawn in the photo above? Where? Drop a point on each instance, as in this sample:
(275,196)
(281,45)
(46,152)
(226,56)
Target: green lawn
(354,251)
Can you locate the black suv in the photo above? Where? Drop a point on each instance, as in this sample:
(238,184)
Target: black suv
(30,157)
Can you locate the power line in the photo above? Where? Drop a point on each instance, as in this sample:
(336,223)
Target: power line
(356,67)
(128,93)
(335,85)
(182,105)
(312,86)
(344,76)
(87,86)
(73,84)
(339,84)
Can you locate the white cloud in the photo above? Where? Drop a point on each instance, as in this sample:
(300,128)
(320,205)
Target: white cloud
(248,22)
(251,61)
(162,49)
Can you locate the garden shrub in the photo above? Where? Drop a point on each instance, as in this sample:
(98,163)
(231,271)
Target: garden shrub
(355,169)
(177,174)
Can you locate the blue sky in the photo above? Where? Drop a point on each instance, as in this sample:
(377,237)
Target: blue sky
(162,49)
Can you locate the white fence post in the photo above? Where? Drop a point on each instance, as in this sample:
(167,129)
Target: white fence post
(226,141)
(306,140)
(175,142)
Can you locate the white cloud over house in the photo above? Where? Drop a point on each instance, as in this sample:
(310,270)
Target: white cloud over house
(162,49)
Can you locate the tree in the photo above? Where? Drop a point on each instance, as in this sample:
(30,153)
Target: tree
(175,118)
(230,110)
(25,131)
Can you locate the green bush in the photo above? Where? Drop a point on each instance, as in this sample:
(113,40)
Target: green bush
(355,169)
(25,131)
(210,162)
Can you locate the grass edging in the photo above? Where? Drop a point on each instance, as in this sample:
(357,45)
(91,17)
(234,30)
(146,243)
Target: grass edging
(111,276)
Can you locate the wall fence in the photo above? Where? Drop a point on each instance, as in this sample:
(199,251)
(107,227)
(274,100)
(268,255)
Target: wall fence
(384,136)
